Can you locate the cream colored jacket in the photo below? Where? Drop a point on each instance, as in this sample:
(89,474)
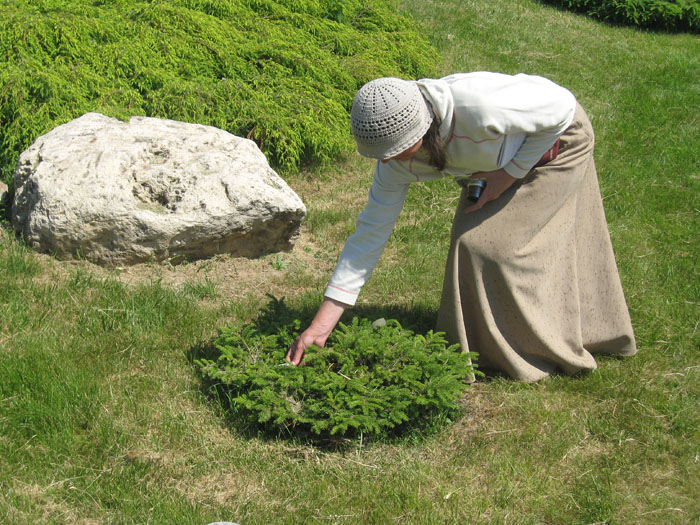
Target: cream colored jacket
(488,121)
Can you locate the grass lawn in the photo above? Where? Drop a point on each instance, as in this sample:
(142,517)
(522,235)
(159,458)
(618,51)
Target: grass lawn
(102,418)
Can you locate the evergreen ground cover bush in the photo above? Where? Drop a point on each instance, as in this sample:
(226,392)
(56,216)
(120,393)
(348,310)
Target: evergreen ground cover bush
(282,72)
(669,15)
(372,379)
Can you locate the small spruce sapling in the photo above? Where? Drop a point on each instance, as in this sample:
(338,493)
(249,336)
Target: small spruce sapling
(379,380)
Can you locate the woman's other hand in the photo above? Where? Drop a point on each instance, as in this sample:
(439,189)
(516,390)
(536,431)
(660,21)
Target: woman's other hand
(497,182)
(317,333)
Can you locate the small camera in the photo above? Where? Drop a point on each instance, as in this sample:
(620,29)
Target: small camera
(475,188)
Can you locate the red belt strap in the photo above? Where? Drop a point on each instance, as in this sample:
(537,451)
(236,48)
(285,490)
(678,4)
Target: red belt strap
(549,155)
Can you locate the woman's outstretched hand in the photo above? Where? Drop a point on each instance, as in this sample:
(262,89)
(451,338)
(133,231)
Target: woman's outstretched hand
(317,333)
(307,338)
(497,182)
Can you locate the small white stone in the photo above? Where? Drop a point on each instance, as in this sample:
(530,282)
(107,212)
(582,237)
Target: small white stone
(3,192)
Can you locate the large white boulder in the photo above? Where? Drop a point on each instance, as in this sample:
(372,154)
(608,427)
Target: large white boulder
(150,189)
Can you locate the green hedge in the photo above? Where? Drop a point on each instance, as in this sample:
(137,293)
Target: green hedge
(669,15)
(282,72)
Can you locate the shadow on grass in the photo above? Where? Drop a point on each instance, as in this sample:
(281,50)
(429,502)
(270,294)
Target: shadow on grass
(277,316)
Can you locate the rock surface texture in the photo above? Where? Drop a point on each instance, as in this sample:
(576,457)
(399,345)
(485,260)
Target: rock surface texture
(3,192)
(120,193)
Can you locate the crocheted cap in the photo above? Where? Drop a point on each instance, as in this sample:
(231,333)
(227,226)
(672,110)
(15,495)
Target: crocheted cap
(388,116)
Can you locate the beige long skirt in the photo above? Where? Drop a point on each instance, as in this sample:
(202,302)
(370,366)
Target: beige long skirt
(531,283)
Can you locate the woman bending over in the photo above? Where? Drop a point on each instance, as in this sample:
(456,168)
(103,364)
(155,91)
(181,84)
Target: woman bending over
(530,283)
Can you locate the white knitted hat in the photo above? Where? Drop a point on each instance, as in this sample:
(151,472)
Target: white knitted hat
(388,116)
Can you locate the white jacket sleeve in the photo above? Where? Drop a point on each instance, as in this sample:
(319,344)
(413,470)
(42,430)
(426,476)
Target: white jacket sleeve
(373,228)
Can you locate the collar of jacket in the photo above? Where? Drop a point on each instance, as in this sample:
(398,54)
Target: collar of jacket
(439,96)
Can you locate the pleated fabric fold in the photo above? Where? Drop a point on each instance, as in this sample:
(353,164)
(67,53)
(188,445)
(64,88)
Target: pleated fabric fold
(531,282)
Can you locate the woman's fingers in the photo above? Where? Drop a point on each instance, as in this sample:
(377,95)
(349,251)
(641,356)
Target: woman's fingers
(316,334)
(296,352)
(496,183)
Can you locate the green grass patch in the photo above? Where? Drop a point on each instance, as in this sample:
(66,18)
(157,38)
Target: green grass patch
(103,417)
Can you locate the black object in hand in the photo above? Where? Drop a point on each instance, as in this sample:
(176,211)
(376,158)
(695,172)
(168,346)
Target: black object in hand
(475,188)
